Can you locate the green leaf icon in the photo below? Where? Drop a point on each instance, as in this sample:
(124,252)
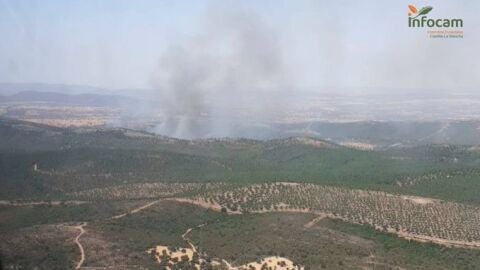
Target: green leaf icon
(424,11)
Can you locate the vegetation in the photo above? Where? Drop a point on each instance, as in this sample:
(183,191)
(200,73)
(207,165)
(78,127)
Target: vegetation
(106,158)
(410,253)
(38,247)
(98,176)
(328,244)
(18,217)
(383,211)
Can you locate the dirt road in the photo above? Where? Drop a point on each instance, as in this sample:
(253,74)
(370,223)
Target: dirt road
(77,241)
(138,209)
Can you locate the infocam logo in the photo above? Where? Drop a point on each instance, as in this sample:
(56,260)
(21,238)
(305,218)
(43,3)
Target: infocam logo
(418,18)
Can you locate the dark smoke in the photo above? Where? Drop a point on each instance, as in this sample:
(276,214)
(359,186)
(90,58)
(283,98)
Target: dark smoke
(202,83)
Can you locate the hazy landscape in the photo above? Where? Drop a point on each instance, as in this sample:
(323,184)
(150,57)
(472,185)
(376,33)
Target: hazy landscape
(101,196)
(226,135)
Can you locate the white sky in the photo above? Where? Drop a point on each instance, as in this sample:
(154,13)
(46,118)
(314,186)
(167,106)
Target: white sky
(323,44)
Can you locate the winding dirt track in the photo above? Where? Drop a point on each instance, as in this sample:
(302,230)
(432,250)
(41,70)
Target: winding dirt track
(82,230)
(77,241)
(35,203)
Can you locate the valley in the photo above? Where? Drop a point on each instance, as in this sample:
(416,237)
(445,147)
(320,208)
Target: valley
(135,200)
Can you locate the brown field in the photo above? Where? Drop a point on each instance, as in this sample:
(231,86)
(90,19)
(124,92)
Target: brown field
(63,116)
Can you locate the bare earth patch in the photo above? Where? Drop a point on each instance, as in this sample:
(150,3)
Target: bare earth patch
(175,256)
(359,145)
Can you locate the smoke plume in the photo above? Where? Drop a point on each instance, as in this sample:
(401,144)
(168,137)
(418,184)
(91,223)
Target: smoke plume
(204,83)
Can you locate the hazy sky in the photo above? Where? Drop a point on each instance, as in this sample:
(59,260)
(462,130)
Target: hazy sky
(318,44)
